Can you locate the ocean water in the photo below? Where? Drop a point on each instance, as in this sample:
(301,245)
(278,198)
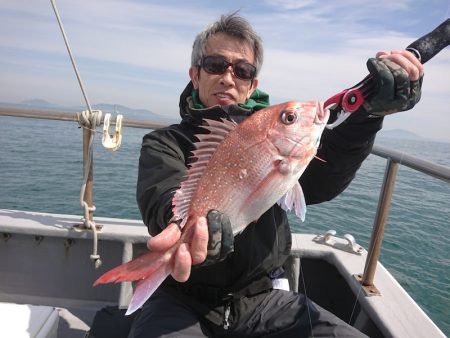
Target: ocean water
(41,170)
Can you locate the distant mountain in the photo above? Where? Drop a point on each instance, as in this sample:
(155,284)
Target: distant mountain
(131,113)
(37,103)
(399,134)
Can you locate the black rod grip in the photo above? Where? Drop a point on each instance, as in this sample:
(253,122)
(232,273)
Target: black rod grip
(432,43)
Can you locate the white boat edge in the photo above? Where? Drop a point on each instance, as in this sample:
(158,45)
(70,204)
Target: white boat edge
(394,312)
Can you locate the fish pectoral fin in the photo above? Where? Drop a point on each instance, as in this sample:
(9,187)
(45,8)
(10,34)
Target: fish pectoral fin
(294,199)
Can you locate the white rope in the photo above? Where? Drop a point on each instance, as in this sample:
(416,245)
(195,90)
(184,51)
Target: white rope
(87,119)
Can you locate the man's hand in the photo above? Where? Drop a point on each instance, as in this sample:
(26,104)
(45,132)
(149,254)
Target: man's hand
(221,239)
(397,77)
(186,255)
(212,241)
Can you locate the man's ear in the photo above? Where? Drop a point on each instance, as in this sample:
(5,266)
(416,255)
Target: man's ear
(252,88)
(194,74)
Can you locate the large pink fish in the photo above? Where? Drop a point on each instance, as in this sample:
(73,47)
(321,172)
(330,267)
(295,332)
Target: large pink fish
(241,170)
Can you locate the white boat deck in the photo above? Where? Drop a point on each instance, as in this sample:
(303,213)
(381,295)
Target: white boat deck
(44,261)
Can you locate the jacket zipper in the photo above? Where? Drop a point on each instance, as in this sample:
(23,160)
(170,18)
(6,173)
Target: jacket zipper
(226,313)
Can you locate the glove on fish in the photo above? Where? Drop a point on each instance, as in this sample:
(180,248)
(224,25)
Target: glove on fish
(393,91)
(221,239)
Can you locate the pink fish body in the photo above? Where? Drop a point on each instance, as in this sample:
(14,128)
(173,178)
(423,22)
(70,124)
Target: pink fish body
(241,170)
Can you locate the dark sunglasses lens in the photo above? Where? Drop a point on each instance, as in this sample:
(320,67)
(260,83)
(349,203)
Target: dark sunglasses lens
(244,70)
(214,65)
(218,65)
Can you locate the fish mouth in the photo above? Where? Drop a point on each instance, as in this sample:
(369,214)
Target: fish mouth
(293,146)
(298,143)
(322,115)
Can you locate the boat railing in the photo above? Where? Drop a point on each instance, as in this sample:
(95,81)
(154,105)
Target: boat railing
(394,159)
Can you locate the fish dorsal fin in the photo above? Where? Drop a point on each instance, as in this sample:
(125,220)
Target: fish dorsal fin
(205,147)
(294,199)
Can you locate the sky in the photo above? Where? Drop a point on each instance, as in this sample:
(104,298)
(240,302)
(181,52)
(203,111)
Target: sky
(137,53)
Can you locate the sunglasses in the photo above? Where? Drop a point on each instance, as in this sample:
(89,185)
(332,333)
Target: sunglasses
(217,64)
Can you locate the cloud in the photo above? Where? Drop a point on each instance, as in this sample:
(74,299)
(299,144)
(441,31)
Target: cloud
(137,53)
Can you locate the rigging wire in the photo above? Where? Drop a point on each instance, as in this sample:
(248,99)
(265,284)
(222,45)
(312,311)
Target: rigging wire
(72,59)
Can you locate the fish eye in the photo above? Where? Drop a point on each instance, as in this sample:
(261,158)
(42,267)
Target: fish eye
(288,117)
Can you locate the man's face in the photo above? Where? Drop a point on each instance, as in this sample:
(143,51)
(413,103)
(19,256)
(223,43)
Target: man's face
(226,88)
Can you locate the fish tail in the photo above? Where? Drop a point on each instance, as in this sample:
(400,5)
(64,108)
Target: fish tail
(145,288)
(139,268)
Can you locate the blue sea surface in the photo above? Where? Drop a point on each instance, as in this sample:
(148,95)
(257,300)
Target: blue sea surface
(41,170)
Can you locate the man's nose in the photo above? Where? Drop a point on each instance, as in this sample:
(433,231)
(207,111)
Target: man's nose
(228,76)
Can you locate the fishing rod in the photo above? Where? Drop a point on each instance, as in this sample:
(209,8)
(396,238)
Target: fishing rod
(349,100)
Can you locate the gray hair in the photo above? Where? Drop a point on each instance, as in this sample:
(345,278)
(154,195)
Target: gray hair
(232,25)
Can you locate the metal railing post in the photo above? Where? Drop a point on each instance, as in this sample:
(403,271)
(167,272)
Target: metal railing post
(88,193)
(126,288)
(381,217)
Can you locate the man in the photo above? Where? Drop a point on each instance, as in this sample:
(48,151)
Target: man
(220,286)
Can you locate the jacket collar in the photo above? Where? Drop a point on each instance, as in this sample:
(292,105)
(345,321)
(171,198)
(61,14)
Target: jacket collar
(234,112)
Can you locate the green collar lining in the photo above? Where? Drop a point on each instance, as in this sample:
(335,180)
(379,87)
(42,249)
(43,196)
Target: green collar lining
(257,100)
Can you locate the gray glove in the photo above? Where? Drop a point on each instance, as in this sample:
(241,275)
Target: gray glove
(221,239)
(393,91)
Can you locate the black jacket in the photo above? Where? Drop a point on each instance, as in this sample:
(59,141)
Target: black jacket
(263,246)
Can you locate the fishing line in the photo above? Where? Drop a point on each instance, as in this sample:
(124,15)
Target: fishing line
(360,284)
(356,301)
(306,297)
